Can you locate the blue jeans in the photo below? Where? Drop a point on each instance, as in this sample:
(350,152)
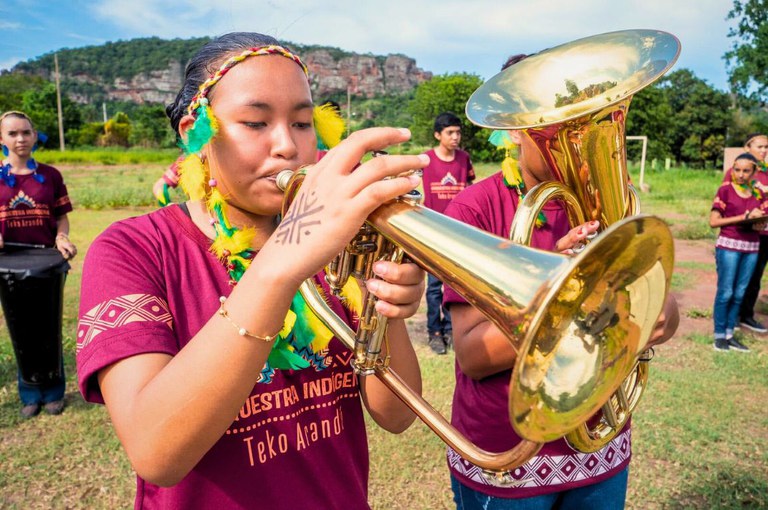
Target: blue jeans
(609,494)
(41,394)
(436,323)
(734,269)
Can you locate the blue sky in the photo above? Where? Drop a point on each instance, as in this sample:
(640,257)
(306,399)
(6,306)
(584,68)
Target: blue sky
(442,35)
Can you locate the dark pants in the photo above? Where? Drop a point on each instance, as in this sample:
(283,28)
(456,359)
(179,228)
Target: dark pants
(438,317)
(747,310)
(51,391)
(609,494)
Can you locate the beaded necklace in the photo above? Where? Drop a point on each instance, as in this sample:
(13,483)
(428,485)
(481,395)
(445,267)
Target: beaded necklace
(9,178)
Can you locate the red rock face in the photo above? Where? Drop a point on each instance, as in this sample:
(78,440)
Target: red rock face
(365,75)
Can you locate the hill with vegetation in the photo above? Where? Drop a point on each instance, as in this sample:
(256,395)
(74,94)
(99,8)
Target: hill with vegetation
(150,70)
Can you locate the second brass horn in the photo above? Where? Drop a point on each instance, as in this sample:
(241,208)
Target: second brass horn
(572,102)
(577,323)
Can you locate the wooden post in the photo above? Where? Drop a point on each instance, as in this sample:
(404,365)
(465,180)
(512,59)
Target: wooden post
(58,103)
(349,110)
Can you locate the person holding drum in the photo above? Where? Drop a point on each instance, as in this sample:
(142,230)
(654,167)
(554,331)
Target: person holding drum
(223,387)
(33,214)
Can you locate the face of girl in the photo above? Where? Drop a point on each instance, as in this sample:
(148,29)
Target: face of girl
(264,109)
(532,164)
(17,134)
(742,171)
(758,147)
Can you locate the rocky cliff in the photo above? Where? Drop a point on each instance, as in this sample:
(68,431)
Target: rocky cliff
(332,72)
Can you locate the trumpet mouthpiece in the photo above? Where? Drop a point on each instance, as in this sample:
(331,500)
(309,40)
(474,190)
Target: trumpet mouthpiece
(283,177)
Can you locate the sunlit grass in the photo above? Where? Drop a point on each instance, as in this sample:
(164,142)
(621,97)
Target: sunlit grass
(699,434)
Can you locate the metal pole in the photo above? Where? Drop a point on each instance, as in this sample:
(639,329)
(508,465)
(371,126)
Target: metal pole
(58,103)
(349,109)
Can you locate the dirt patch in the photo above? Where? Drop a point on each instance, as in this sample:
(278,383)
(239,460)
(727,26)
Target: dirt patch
(699,295)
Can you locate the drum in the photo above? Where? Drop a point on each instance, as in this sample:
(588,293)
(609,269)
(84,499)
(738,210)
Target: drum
(32,291)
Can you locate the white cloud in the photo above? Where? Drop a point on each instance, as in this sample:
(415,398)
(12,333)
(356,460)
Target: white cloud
(9,63)
(9,25)
(443,35)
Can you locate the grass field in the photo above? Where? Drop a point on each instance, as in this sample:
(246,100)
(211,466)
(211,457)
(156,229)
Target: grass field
(699,437)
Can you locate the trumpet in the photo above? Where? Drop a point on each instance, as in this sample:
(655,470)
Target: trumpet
(563,315)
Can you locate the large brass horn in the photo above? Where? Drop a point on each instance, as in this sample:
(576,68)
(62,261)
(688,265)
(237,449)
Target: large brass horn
(577,323)
(572,102)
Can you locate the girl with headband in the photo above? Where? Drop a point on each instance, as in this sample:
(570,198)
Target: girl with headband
(224,389)
(737,246)
(757,146)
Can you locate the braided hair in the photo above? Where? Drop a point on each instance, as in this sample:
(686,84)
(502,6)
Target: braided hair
(205,62)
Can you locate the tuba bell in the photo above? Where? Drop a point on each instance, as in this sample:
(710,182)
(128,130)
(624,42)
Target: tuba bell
(572,101)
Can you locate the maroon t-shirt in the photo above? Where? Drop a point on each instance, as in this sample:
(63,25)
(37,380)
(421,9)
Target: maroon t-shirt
(149,285)
(443,180)
(29,209)
(480,408)
(729,203)
(761,178)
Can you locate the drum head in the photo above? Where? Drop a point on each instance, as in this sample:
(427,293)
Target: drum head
(31,263)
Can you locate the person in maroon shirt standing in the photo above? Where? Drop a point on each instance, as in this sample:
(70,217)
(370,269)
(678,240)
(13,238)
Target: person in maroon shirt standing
(736,248)
(449,171)
(192,330)
(33,211)
(757,145)
(557,476)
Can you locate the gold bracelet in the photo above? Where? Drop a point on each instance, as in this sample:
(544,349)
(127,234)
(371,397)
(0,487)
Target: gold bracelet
(242,331)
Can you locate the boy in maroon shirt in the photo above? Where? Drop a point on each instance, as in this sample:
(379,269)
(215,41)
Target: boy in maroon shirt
(449,171)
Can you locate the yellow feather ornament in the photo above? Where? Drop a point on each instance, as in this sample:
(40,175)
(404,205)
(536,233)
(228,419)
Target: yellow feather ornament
(352,296)
(329,126)
(230,239)
(192,176)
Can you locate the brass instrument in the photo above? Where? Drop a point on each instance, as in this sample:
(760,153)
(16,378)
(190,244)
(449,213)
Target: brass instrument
(585,315)
(572,102)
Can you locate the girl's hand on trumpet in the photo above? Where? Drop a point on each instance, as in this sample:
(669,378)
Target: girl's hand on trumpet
(573,242)
(337,196)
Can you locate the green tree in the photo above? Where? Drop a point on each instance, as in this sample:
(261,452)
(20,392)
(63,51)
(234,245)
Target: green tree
(89,134)
(150,127)
(649,115)
(745,121)
(40,105)
(117,130)
(448,93)
(12,88)
(700,118)
(748,58)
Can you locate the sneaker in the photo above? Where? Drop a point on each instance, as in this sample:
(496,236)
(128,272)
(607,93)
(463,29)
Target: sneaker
(436,343)
(30,411)
(55,407)
(721,344)
(735,345)
(751,323)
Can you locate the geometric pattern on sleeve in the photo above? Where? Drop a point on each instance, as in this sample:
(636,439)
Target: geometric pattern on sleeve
(116,312)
